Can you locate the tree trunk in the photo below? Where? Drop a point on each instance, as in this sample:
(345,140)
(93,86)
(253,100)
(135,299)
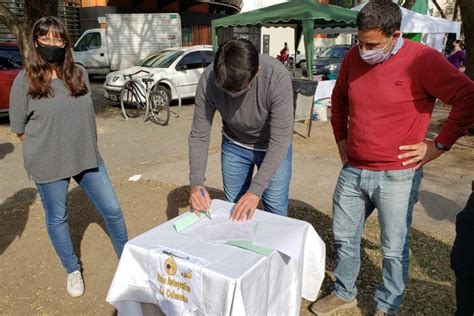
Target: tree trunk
(456,9)
(408,4)
(439,9)
(21,27)
(467,17)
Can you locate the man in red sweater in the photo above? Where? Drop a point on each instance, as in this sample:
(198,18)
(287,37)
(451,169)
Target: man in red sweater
(381,109)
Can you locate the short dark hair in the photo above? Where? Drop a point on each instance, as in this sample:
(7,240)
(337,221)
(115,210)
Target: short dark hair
(380,14)
(235,64)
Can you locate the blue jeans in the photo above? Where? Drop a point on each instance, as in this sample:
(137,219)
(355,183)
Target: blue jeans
(96,183)
(358,192)
(238,164)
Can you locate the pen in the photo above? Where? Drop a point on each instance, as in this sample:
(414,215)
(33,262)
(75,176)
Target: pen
(207,212)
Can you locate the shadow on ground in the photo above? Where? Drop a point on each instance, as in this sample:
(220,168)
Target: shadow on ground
(81,214)
(14,213)
(178,198)
(438,207)
(5,149)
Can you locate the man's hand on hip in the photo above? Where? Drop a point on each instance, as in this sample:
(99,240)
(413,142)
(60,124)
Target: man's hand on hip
(419,154)
(245,207)
(199,199)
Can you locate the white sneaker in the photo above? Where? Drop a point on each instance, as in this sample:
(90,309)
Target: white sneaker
(75,284)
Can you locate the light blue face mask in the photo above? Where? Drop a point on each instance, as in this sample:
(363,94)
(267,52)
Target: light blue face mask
(374,56)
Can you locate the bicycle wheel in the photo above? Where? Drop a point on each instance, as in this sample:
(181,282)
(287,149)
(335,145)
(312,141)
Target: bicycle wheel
(132,99)
(159,108)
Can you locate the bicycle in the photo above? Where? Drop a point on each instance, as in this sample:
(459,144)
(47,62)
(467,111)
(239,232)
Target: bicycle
(136,98)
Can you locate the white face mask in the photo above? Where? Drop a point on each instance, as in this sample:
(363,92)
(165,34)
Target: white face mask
(374,56)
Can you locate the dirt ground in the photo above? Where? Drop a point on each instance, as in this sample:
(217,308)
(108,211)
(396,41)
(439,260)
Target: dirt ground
(33,282)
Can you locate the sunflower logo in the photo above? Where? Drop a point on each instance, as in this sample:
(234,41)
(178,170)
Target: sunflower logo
(170,266)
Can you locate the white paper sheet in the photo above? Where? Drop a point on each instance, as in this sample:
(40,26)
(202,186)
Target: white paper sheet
(287,238)
(220,228)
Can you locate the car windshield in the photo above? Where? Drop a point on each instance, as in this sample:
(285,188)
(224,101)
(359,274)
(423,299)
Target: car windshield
(334,52)
(161,59)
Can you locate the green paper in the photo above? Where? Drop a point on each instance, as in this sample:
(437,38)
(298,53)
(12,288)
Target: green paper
(186,221)
(246,244)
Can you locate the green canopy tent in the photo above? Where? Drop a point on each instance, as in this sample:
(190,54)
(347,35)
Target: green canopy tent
(304,15)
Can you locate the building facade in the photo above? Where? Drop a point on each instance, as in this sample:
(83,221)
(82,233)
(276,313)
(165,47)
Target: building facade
(196,15)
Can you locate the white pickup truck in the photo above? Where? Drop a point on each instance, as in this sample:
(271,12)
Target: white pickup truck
(127,39)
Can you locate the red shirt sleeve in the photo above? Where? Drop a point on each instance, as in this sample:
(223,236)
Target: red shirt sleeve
(339,101)
(451,86)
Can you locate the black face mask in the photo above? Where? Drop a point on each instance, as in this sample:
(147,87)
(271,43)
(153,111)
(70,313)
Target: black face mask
(52,54)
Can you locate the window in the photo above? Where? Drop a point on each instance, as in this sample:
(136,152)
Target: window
(192,60)
(89,41)
(162,59)
(208,57)
(10,57)
(335,52)
(187,35)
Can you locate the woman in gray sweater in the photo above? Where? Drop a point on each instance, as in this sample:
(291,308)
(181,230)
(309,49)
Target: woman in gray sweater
(51,110)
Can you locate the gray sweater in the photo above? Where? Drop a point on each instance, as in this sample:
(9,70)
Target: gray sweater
(60,131)
(261,119)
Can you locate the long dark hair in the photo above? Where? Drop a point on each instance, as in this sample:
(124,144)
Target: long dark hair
(38,71)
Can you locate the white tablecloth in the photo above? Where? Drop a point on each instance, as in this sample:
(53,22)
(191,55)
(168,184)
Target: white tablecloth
(234,282)
(324,89)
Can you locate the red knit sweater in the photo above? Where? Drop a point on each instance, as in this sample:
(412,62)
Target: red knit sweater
(379,108)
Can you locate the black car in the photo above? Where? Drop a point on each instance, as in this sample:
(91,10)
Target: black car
(329,62)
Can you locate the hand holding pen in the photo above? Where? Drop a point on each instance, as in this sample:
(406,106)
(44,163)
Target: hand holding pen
(200,201)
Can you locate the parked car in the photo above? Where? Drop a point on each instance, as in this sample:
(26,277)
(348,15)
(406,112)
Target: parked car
(10,66)
(182,66)
(329,62)
(299,61)
(319,50)
(301,58)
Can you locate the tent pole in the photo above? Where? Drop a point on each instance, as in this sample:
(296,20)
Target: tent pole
(298,34)
(214,36)
(308,29)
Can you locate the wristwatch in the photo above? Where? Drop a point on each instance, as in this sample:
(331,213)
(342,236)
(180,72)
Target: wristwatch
(440,146)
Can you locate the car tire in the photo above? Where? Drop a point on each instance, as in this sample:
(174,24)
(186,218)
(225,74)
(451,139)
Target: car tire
(301,64)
